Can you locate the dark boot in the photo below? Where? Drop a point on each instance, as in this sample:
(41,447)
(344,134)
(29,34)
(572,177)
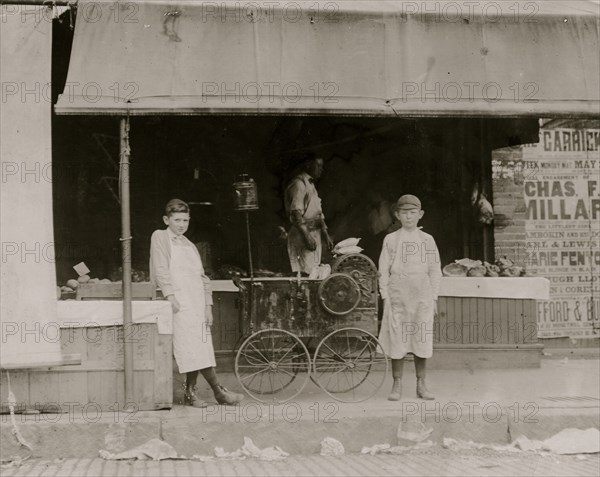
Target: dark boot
(422,391)
(190,398)
(397,369)
(396,393)
(223,396)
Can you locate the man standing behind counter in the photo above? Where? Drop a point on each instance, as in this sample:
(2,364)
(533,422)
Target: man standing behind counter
(303,208)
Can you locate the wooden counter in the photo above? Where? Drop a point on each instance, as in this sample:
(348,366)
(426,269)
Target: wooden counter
(92,329)
(488,322)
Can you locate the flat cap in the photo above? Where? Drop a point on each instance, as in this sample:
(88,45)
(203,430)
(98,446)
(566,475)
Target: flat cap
(408,201)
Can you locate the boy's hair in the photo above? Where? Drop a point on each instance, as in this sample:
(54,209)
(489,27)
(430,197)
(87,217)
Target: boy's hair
(176,205)
(307,157)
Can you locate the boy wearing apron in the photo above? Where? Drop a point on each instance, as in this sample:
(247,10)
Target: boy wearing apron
(176,267)
(410,273)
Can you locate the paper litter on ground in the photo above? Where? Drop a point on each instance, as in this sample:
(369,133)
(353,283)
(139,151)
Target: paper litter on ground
(332,447)
(387,449)
(154,449)
(574,441)
(412,431)
(249,449)
(459,445)
(567,441)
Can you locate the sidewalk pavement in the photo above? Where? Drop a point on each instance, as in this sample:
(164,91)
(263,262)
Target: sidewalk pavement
(417,464)
(485,406)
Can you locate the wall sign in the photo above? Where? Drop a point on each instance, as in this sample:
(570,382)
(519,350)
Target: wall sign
(558,208)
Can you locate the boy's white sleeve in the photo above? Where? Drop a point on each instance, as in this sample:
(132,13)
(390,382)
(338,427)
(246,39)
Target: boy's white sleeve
(208,298)
(384,268)
(159,264)
(434,268)
(207,290)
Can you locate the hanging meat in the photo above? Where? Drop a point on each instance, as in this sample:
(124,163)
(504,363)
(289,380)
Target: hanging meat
(483,208)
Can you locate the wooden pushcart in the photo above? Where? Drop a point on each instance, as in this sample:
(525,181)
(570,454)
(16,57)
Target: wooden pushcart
(296,329)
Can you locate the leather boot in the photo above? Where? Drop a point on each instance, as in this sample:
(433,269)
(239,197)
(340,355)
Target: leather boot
(190,398)
(396,393)
(422,391)
(223,396)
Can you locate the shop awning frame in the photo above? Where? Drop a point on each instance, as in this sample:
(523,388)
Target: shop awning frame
(359,58)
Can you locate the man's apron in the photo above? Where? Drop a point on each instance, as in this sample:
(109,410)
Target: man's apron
(192,339)
(302,259)
(407,325)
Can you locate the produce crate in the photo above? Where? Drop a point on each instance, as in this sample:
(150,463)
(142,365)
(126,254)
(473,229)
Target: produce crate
(114,291)
(98,383)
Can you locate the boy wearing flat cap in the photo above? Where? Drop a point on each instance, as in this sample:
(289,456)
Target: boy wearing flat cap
(410,273)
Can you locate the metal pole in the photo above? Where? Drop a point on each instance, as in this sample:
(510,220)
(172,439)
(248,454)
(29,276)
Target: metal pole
(124,176)
(249,245)
(251,270)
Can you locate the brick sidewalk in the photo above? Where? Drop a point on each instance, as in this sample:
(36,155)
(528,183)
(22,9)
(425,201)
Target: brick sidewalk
(444,463)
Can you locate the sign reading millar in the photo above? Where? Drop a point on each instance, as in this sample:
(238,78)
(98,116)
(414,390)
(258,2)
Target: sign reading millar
(552,193)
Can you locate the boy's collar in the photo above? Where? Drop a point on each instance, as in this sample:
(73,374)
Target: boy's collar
(305,175)
(172,235)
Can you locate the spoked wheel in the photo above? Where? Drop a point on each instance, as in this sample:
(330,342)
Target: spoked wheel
(349,365)
(273,365)
(238,344)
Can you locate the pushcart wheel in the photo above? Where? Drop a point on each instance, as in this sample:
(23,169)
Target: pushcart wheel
(238,344)
(350,365)
(273,365)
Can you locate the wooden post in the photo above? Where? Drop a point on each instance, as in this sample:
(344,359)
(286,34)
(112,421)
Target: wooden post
(124,177)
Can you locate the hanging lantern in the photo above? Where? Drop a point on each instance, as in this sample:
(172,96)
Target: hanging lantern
(245,193)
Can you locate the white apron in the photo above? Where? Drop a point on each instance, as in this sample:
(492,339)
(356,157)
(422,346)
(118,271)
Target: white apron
(192,339)
(407,324)
(302,259)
